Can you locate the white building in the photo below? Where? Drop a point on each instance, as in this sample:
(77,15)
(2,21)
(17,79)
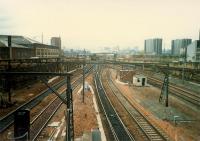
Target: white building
(139,80)
(193,51)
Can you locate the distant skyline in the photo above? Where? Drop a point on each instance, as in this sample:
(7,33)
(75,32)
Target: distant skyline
(95,24)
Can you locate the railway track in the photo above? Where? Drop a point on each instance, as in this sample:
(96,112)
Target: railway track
(38,124)
(152,132)
(119,131)
(179,92)
(8,119)
(45,115)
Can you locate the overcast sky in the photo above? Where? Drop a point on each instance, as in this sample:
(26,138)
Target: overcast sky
(94,24)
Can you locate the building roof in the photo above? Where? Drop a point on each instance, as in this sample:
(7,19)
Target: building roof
(21,41)
(4,43)
(18,39)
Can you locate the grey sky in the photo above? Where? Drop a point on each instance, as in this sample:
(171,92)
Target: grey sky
(93,24)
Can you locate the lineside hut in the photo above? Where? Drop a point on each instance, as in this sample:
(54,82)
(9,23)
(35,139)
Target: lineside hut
(139,80)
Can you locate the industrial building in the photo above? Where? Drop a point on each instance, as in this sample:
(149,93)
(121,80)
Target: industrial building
(19,47)
(153,46)
(46,51)
(178,46)
(193,51)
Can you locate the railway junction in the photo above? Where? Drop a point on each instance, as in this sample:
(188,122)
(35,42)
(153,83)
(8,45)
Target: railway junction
(79,99)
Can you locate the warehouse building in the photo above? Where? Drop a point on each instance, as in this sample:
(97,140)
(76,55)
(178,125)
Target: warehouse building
(19,47)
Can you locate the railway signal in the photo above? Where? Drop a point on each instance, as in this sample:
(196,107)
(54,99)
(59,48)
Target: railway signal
(22,125)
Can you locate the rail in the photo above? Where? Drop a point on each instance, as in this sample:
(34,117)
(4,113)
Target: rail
(179,92)
(152,132)
(38,124)
(120,132)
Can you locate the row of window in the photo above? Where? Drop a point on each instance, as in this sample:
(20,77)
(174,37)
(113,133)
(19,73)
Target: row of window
(44,52)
